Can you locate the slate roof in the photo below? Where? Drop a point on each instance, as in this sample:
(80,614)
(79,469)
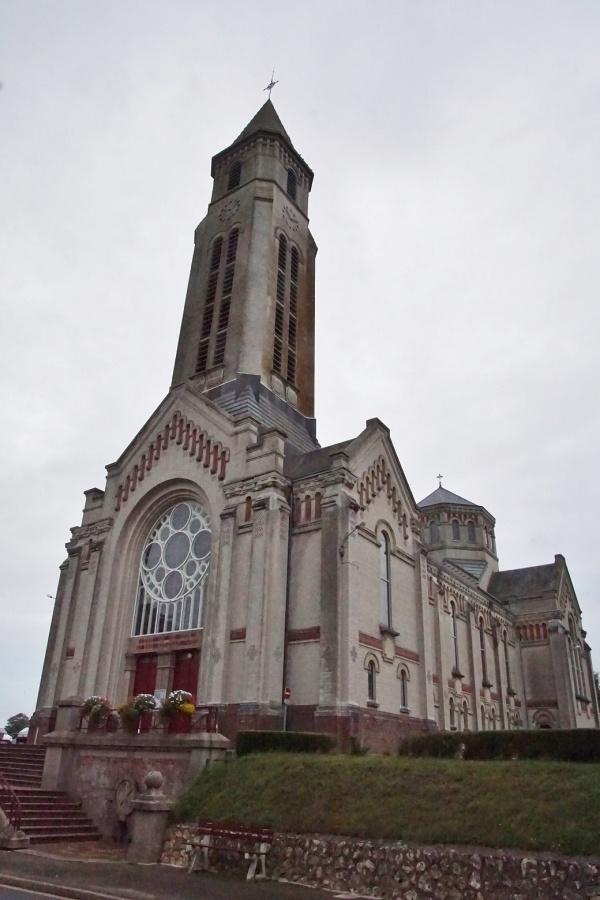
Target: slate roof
(441,495)
(473,567)
(247,396)
(266,121)
(520,584)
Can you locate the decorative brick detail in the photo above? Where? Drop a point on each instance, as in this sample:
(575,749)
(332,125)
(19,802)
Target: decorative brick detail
(533,631)
(376,479)
(304,635)
(368,641)
(237,634)
(403,653)
(190,439)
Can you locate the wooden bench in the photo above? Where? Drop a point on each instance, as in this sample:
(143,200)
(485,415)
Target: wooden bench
(229,837)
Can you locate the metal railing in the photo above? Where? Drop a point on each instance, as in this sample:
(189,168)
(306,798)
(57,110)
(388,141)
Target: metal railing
(203,719)
(10,803)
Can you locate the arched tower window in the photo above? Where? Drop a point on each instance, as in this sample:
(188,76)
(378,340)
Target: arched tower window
(385,581)
(235,175)
(248,509)
(213,334)
(465,716)
(292,183)
(455,530)
(452,714)
(174,572)
(434,532)
(471,532)
(483,718)
(286,310)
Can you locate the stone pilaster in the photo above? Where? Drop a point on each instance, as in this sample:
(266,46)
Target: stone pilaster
(216,639)
(562,675)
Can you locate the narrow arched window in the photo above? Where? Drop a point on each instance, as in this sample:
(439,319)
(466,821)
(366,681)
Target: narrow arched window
(455,530)
(384,581)
(292,183)
(434,532)
(465,716)
(403,690)
(452,714)
(371,681)
(225,304)
(285,338)
(307,508)
(235,174)
(482,651)
(493,718)
(483,718)
(248,509)
(454,635)
(318,498)
(506,662)
(471,532)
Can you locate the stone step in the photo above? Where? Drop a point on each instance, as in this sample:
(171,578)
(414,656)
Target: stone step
(66,837)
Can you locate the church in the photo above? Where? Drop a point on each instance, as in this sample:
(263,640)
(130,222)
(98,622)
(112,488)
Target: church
(232,556)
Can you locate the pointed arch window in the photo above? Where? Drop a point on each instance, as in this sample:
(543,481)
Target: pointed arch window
(285,336)
(452,714)
(465,716)
(403,690)
(385,591)
(506,662)
(217,303)
(455,530)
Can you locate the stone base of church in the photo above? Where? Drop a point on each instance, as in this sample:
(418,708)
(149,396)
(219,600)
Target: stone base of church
(353,728)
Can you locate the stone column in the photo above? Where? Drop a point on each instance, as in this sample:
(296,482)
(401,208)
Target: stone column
(562,675)
(215,649)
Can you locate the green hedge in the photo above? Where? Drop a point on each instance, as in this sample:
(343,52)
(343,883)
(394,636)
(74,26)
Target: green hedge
(576,745)
(282,742)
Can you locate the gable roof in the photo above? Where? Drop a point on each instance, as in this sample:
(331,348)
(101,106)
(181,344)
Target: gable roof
(520,584)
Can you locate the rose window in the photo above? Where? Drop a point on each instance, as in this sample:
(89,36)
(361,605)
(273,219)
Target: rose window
(173,571)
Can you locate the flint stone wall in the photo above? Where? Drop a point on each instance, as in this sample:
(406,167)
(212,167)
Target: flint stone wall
(397,871)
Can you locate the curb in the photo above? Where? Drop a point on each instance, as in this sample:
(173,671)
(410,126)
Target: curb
(58,890)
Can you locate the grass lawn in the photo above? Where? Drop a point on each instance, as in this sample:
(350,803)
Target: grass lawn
(527,804)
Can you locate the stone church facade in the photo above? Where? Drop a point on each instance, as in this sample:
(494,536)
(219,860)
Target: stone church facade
(232,556)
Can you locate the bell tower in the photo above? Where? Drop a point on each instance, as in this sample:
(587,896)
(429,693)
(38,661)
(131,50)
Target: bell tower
(249,309)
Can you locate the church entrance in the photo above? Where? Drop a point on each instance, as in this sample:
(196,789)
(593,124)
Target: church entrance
(145,674)
(185,673)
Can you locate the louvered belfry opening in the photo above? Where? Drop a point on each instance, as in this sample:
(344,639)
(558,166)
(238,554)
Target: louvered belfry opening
(292,183)
(213,335)
(286,311)
(235,175)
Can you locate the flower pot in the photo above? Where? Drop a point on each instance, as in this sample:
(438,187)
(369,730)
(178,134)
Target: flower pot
(146,721)
(179,723)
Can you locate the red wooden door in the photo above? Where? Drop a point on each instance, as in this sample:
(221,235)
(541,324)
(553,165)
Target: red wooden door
(145,674)
(185,675)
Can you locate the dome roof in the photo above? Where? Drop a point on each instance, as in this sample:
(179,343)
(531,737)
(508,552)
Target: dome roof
(441,495)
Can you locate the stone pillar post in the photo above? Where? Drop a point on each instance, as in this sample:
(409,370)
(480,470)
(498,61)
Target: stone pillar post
(216,648)
(148,821)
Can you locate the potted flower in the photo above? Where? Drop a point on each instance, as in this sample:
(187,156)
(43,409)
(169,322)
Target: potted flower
(145,704)
(96,710)
(129,716)
(178,709)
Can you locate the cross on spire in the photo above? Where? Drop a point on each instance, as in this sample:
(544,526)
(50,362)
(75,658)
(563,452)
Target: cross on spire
(439,478)
(271,84)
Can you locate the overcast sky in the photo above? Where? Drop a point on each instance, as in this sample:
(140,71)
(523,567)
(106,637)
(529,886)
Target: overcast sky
(456,206)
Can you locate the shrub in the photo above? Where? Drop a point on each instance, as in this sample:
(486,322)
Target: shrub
(282,742)
(576,745)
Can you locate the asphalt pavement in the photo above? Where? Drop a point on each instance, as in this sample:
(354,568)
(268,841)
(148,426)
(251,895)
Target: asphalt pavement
(105,877)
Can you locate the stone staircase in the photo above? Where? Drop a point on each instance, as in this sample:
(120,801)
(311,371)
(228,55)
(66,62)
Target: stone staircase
(47,816)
